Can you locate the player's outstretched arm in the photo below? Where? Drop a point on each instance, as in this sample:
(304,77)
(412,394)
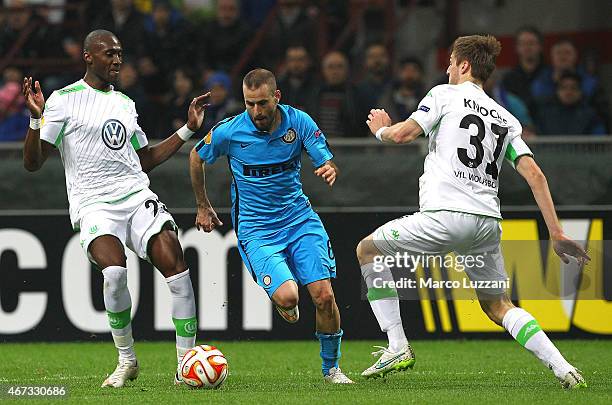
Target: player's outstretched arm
(328,172)
(206,218)
(35,152)
(563,245)
(151,157)
(379,123)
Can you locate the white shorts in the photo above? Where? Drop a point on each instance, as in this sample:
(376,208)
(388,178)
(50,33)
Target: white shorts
(133,221)
(442,232)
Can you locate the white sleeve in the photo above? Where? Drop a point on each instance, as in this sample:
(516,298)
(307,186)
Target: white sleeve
(517,148)
(138,139)
(429,113)
(54,120)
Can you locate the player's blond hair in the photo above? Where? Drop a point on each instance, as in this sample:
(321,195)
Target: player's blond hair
(480,51)
(258,77)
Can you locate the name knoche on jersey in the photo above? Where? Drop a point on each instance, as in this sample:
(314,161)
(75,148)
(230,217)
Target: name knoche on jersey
(472,105)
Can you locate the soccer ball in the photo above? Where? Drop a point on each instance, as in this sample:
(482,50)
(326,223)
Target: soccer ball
(204,367)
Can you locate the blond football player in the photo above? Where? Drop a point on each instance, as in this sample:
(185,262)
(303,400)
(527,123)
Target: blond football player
(469,136)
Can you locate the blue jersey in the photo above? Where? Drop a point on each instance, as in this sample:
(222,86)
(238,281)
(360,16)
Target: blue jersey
(266,187)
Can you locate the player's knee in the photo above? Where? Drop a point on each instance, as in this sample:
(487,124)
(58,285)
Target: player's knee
(287,301)
(364,252)
(115,279)
(166,254)
(495,310)
(324,299)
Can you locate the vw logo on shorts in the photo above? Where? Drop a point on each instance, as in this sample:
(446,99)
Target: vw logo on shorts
(113,134)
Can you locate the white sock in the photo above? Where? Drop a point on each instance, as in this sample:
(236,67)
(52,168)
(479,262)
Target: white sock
(525,329)
(183,312)
(118,305)
(385,305)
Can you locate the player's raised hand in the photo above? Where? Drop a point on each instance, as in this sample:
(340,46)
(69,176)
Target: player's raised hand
(34,99)
(377,119)
(328,172)
(207,219)
(564,247)
(195,115)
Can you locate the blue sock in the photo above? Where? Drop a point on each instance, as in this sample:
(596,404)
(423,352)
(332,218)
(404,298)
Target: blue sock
(330,349)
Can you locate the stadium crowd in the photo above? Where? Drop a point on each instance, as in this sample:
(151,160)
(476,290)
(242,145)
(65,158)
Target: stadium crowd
(175,49)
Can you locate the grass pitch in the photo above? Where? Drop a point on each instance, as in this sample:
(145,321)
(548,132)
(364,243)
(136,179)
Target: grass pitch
(460,371)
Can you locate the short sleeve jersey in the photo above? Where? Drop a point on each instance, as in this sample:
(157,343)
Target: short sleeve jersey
(97,135)
(469,136)
(266,186)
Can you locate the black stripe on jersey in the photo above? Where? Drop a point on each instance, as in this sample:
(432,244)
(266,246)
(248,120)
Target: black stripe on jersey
(249,265)
(237,201)
(223,121)
(199,145)
(236,213)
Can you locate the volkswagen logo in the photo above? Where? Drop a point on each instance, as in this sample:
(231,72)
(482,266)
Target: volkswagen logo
(113,134)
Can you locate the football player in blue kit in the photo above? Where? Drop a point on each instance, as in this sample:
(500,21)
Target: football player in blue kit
(280,238)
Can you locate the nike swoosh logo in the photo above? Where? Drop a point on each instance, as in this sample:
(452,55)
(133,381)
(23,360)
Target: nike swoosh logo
(391,360)
(244,145)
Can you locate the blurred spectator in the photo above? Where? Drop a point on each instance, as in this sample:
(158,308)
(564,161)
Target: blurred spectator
(130,85)
(340,112)
(24,34)
(182,94)
(127,23)
(256,11)
(564,58)
(13,117)
(225,38)
(167,38)
(403,97)
(74,51)
(298,85)
(568,113)
(222,104)
(377,77)
(510,102)
(530,67)
(291,26)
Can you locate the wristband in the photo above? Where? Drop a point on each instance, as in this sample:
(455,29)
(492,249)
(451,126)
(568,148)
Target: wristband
(184,133)
(35,123)
(380,132)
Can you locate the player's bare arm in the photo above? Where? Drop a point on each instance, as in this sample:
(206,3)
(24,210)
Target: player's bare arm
(328,172)
(563,245)
(206,218)
(400,133)
(151,157)
(35,152)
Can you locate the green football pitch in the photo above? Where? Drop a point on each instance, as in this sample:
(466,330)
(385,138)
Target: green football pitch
(461,371)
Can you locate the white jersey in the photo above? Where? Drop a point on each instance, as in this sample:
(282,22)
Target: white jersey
(97,134)
(469,136)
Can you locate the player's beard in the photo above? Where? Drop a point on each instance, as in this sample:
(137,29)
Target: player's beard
(265,125)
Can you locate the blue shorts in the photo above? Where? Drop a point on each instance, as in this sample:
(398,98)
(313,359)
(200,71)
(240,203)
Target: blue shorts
(301,252)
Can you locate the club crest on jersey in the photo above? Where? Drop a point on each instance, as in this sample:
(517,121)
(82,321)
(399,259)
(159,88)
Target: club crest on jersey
(290,136)
(114,134)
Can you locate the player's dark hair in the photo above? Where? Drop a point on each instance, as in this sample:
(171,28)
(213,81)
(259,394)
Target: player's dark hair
(412,60)
(480,51)
(562,41)
(569,75)
(94,37)
(532,30)
(258,77)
